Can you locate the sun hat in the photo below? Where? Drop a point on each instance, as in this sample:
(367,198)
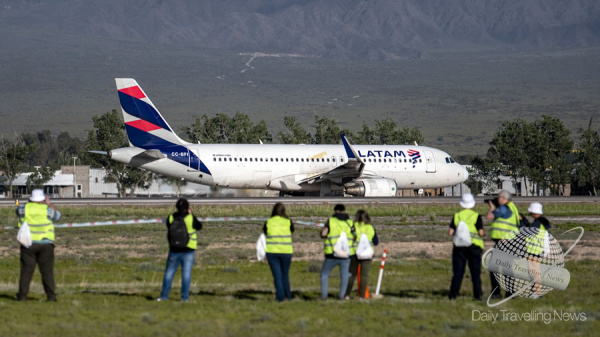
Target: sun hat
(37,195)
(467,200)
(535,208)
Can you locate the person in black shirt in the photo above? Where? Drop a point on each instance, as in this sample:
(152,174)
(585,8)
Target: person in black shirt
(183,256)
(471,255)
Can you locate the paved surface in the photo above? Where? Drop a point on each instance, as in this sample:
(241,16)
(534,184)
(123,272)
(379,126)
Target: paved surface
(298,201)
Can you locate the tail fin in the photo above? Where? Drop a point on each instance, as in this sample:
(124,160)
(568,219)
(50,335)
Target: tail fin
(145,126)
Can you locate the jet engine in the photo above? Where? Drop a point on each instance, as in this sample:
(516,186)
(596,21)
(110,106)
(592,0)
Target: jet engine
(376,187)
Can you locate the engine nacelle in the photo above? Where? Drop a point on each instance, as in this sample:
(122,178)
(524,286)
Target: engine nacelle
(378,187)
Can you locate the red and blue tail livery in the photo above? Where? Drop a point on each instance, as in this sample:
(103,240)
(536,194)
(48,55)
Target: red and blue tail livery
(146,127)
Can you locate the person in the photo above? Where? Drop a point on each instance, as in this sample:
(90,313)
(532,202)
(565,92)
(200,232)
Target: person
(38,213)
(362,224)
(535,244)
(278,230)
(461,256)
(338,223)
(181,256)
(506,220)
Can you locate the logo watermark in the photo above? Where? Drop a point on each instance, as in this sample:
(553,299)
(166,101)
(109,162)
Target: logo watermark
(531,316)
(528,264)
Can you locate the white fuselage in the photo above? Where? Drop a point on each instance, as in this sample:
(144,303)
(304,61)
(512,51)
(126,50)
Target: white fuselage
(291,167)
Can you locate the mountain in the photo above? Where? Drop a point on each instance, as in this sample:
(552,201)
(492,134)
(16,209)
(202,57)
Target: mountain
(348,29)
(455,69)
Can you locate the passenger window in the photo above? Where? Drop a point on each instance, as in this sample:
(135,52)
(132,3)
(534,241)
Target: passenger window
(219,159)
(312,159)
(420,161)
(214,159)
(275,159)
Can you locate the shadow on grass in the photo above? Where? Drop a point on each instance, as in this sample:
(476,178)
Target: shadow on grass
(258,295)
(414,293)
(118,294)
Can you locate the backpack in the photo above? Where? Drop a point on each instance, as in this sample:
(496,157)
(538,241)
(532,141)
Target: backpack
(462,236)
(177,234)
(364,251)
(24,235)
(261,247)
(342,248)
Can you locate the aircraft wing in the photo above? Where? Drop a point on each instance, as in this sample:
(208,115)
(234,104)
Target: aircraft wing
(351,169)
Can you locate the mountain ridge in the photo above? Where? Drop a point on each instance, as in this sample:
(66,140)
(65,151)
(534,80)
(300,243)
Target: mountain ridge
(349,29)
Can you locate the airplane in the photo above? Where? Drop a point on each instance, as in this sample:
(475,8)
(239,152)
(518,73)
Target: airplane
(296,169)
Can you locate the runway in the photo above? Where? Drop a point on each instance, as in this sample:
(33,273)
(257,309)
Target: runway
(298,201)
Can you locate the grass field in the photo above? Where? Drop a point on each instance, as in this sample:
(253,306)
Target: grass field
(108,277)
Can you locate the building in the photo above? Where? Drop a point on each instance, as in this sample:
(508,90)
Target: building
(520,187)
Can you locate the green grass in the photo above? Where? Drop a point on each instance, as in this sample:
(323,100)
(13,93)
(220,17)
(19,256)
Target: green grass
(237,299)
(397,213)
(108,277)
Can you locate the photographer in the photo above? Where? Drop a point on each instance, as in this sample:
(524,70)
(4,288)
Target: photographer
(505,216)
(38,213)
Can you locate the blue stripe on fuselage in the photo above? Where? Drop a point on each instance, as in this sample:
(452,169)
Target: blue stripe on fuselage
(143,110)
(177,153)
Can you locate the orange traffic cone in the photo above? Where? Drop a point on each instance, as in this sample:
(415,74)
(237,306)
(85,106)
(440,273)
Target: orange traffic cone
(367,293)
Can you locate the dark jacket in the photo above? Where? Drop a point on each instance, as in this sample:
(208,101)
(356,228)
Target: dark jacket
(197,225)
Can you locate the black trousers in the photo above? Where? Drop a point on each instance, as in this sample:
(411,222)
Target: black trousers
(461,256)
(42,255)
(495,283)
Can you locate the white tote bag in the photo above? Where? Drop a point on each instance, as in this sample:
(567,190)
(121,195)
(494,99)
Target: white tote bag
(364,251)
(462,237)
(24,235)
(342,248)
(261,247)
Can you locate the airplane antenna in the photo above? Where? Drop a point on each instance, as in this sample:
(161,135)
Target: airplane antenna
(416,143)
(260,141)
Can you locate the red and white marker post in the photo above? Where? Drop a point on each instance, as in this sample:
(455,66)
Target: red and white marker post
(380,273)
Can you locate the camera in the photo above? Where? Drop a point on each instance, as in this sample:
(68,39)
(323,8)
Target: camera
(493,201)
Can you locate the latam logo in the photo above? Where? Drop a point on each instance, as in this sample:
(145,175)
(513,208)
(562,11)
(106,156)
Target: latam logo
(414,155)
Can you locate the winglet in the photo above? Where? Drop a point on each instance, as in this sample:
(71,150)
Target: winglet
(349,150)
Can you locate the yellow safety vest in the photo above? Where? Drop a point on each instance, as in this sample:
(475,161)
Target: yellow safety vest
(360,229)
(470,218)
(502,226)
(336,227)
(279,236)
(535,243)
(40,227)
(189,224)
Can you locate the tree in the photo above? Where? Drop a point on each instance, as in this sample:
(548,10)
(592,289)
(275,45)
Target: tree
(510,145)
(483,175)
(12,159)
(296,133)
(549,150)
(109,134)
(179,183)
(365,136)
(40,177)
(387,132)
(327,131)
(223,129)
(587,172)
